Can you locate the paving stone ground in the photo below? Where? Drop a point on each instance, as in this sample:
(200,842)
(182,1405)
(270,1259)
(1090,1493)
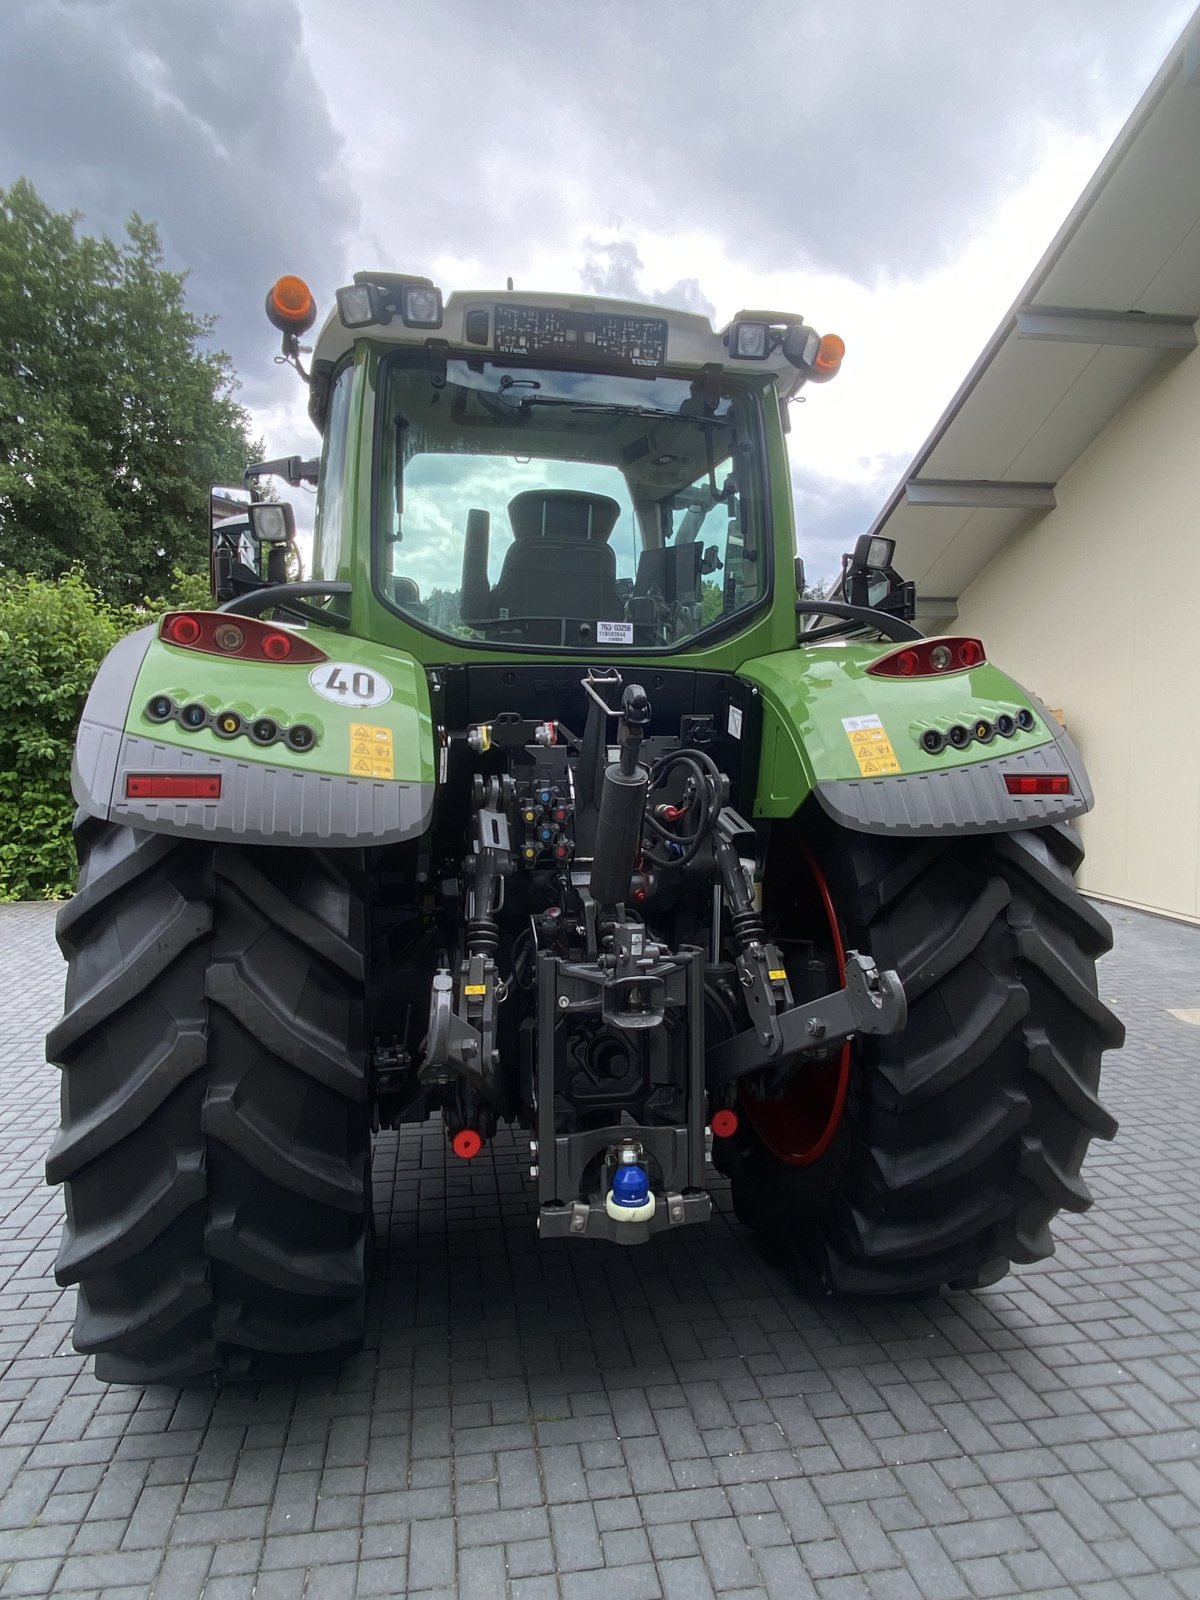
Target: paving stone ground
(564,1421)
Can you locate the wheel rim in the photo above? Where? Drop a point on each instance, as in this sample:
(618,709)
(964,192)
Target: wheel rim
(799,1127)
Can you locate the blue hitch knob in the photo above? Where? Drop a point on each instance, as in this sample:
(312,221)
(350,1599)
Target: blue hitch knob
(631,1186)
(630,1199)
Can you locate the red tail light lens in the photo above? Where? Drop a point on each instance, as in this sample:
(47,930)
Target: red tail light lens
(181,628)
(172,786)
(928,658)
(1020,783)
(248,639)
(466,1144)
(724,1123)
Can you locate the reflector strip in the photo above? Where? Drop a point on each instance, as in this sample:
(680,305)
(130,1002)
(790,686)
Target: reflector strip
(1042,783)
(172,786)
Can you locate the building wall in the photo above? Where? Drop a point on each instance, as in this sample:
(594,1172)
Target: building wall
(1096,608)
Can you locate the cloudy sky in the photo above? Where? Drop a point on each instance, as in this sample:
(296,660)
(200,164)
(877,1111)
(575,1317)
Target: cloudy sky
(891,168)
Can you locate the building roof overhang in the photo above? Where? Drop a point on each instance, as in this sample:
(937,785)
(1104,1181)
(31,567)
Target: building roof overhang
(1116,296)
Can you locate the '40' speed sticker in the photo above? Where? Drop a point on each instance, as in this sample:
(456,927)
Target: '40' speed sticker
(348,684)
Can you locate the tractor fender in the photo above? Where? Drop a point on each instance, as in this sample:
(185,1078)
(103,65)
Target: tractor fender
(831,729)
(326,795)
(102,725)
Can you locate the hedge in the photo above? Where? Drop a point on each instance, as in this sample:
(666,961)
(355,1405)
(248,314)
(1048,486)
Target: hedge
(53,637)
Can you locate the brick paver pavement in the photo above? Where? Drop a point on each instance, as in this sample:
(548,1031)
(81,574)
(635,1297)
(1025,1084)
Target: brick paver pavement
(562,1422)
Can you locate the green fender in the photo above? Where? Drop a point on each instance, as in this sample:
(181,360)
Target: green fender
(831,729)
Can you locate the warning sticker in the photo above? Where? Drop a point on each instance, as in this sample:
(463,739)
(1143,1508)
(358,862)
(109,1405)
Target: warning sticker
(871,745)
(371,753)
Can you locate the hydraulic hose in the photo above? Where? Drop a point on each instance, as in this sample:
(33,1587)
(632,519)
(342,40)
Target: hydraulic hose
(708,784)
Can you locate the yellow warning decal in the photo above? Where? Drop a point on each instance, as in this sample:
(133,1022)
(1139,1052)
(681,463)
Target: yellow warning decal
(871,745)
(371,753)
(474,988)
(777,977)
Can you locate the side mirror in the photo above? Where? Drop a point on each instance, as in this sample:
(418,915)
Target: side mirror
(272,522)
(224,502)
(230,546)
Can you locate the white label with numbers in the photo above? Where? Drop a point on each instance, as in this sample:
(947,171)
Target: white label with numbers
(348,684)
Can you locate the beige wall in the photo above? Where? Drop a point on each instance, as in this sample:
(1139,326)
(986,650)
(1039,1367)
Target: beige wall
(1096,608)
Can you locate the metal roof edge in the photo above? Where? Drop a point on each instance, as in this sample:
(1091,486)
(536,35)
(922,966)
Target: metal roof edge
(1185,48)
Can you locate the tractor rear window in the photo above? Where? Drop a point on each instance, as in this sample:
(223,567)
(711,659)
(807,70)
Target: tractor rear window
(521,505)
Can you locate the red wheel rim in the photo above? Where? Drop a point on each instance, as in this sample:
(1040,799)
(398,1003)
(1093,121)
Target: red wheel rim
(799,1127)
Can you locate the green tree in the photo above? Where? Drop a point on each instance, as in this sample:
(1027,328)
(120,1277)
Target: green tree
(115,416)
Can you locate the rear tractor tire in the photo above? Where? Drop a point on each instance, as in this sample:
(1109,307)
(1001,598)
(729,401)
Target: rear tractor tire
(215,1141)
(956,1141)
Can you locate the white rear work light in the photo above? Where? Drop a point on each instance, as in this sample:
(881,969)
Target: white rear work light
(360,305)
(749,341)
(420,307)
(272,522)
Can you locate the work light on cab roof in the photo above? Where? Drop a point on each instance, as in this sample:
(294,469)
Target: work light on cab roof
(402,308)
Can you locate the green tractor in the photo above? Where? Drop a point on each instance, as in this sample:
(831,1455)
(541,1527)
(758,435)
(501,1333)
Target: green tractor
(547,799)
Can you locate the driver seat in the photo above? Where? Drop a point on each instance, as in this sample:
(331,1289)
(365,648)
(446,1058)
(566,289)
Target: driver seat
(560,563)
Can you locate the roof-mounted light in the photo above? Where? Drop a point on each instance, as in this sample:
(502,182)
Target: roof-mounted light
(749,341)
(361,304)
(375,298)
(290,305)
(827,362)
(420,306)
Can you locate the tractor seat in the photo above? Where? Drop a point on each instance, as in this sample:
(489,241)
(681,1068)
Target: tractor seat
(560,563)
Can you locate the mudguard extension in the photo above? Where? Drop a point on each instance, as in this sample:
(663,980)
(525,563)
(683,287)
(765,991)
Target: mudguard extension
(972,799)
(854,740)
(289,800)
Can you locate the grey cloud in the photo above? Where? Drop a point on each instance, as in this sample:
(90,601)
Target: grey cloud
(830,514)
(205,118)
(615,269)
(858,136)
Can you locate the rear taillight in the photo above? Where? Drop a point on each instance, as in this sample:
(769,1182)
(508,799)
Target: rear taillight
(926,658)
(182,629)
(247,639)
(172,786)
(1020,783)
